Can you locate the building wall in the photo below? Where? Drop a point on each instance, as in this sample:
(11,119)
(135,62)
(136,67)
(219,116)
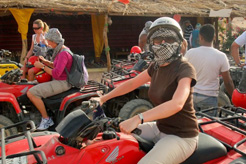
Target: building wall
(77,32)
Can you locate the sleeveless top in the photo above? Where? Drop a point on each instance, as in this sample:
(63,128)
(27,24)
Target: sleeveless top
(37,47)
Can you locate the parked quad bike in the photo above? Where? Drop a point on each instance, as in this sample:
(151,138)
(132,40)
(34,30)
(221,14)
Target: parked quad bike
(224,98)
(134,102)
(5,63)
(138,63)
(81,140)
(15,105)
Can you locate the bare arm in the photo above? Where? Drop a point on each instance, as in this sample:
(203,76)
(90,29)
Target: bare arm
(164,110)
(29,53)
(228,82)
(127,86)
(235,52)
(38,64)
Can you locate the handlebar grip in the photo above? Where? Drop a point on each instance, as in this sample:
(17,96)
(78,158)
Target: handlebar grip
(137,131)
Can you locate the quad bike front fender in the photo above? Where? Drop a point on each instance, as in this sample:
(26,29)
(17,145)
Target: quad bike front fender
(9,97)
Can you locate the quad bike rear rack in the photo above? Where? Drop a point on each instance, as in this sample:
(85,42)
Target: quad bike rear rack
(119,64)
(29,127)
(232,118)
(94,86)
(110,78)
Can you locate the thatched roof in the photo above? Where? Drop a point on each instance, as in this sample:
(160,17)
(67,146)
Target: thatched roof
(190,8)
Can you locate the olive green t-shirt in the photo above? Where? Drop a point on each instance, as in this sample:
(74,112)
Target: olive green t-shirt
(164,82)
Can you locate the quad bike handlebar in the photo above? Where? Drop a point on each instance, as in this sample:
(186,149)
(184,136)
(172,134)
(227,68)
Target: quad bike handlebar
(88,128)
(11,76)
(147,54)
(5,53)
(101,122)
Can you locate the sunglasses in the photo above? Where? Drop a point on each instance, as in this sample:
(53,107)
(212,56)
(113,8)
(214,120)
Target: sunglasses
(36,28)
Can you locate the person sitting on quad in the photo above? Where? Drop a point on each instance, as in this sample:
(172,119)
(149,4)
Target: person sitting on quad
(38,40)
(61,60)
(235,49)
(142,39)
(208,63)
(135,54)
(175,131)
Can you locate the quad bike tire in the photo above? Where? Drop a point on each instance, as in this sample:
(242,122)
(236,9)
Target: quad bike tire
(134,107)
(4,121)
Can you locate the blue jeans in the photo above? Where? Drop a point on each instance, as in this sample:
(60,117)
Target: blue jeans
(203,102)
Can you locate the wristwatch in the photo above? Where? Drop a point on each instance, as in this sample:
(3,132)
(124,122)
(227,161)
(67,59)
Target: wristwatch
(43,67)
(140,115)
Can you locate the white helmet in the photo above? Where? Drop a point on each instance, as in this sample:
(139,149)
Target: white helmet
(166,22)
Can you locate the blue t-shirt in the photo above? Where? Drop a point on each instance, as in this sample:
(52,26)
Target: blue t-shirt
(195,38)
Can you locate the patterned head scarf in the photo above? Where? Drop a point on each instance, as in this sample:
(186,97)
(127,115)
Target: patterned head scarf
(54,35)
(165,52)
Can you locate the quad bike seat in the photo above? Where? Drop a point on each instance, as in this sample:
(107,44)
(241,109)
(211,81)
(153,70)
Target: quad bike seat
(207,146)
(52,102)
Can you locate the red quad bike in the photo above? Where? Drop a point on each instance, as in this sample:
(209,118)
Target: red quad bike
(132,58)
(136,61)
(81,140)
(224,98)
(134,102)
(15,105)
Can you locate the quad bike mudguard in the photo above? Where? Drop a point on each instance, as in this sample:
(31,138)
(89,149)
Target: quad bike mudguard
(9,97)
(72,98)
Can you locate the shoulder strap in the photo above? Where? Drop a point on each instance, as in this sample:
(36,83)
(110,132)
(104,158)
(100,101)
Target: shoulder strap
(34,36)
(67,50)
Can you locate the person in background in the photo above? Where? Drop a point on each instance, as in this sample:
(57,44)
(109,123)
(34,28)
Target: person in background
(38,48)
(187,31)
(143,37)
(209,63)
(194,37)
(172,79)
(239,42)
(61,59)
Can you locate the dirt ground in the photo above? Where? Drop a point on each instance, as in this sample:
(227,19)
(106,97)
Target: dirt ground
(96,74)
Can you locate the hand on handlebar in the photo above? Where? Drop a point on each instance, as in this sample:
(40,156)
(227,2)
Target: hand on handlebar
(98,99)
(42,59)
(129,125)
(38,64)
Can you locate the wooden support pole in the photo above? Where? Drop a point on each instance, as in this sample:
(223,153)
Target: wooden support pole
(106,46)
(216,33)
